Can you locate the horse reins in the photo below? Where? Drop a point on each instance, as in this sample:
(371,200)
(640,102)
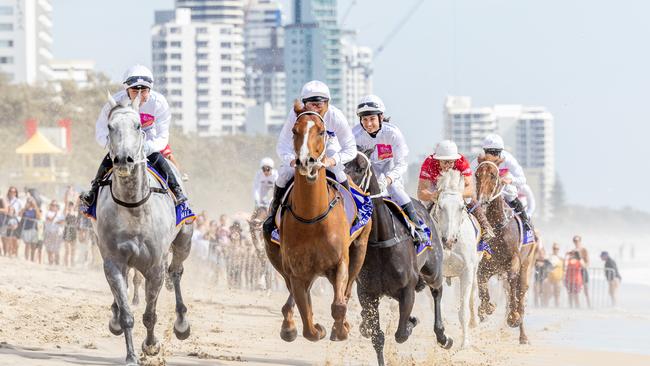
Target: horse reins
(498,186)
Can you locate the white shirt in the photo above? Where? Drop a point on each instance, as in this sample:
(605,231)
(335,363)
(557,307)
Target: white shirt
(263,187)
(155,118)
(528,199)
(509,165)
(340,145)
(389,149)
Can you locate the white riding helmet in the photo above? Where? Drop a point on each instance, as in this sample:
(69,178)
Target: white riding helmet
(138,76)
(446,150)
(493,141)
(370,104)
(315,91)
(267,162)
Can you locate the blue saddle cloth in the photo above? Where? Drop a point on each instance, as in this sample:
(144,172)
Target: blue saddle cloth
(358,208)
(404,219)
(184,213)
(481,245)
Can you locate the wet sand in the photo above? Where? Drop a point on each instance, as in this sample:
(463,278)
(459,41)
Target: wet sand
(55,316)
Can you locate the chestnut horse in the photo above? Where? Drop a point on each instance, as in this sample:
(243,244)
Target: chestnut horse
(315,236)
(509,256)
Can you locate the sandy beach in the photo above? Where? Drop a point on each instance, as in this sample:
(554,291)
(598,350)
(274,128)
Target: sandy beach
(56,316)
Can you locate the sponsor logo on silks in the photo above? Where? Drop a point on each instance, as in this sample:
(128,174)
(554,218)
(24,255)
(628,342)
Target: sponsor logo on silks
(529,237)
(146,120)
(331,133)
(483,246)
(467,171)
(384,151)
(503,171)
(424,246)
(184,214)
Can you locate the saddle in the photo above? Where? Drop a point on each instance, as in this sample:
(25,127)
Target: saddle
(357,204)
(403,218)
(184,215)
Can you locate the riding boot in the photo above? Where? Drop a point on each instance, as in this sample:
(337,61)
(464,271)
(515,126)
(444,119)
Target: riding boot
(346,184)
(88,198)
(420,235)
(478,211)
(269,223)
(519,210)
(160,164)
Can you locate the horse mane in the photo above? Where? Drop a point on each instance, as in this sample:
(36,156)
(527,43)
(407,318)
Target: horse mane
(298,107)
(450,181)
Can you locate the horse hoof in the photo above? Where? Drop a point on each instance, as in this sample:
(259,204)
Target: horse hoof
(151,350)
(447,344)
(414,321)
(182,331)
(489,309)
(514,320)
(340,334)
(364,329)
(289,335)
(115,328)
(320,333)
(524,341)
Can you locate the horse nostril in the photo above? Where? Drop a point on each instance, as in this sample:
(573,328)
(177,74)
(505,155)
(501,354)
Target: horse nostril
(444,239)
(312,160)
(129,160)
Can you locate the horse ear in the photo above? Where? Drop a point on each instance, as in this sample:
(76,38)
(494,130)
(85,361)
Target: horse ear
(135,104)
(499,161)
(298,107)
(480,158)
(111,100)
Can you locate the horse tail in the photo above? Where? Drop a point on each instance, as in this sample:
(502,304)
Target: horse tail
(128,249)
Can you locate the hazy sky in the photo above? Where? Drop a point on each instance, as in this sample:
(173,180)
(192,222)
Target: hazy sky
(588,62)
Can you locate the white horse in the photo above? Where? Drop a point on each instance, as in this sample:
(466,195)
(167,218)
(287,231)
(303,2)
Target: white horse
(459,238)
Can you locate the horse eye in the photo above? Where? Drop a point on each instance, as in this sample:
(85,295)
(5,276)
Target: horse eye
(322,133)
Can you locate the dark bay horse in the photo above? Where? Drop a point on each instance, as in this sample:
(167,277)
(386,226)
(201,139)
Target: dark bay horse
(392,268)
(315,236)
(509,256)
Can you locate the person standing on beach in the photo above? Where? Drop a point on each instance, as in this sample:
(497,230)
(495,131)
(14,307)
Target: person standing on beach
(573,277)
(584,257)
(612,275)
(554,279)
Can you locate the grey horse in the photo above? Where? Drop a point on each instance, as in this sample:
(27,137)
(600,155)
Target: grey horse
(136,227)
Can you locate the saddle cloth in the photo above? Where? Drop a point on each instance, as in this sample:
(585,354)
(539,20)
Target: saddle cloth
(526,237)
(184,214)
(404,219)
(357,204)
(481,245)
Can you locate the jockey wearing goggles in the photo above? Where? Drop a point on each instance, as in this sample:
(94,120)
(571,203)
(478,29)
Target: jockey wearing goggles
(511,174)
(155,119)
(446,157)
(389,153)
(340,149)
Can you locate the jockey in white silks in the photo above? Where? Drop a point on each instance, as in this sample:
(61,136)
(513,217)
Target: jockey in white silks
(511,174)
(340,149)
(263,184)
(155,118)
(527,199)
(389,153)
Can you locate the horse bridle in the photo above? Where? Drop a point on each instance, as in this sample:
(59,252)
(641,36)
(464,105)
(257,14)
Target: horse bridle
(325,137)
(498,186)
(364,184)
(435,208)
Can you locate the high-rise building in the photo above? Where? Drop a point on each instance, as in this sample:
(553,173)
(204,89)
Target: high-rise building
(264,44)
(72,70)
(528,134)
(357,71)
(199,67)
(26,40)
(313,49)
(216,11)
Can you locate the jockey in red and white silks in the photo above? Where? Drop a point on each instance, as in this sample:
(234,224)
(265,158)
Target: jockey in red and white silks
(389,153)
(340,149)
(511,172)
